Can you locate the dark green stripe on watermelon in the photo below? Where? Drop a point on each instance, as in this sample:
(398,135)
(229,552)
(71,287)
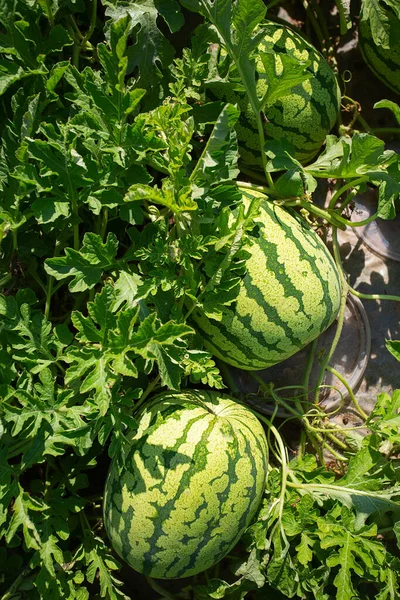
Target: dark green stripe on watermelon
(289,294)
(304,116)
(330,308)
(383,62)
(198,463)
(193,519)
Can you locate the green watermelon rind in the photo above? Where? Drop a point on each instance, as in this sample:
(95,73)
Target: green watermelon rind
(191,483)
(290,294)
(304,116)
(383,62)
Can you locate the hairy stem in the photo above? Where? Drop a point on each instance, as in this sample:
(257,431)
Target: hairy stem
(340,322)
(92,24)
(152,385)
(344,381)
(5,280)
(344,188)
(373,296)
(309,365)
(49,293)
(14,587)
(157,588)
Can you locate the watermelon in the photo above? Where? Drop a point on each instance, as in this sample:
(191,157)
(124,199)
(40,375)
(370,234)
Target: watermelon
(304,116)
(190,484)
(383,62)
(288,296)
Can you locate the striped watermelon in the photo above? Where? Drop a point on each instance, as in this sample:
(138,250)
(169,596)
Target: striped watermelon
(304,116)
(383,62)
(289,295)
(191,483)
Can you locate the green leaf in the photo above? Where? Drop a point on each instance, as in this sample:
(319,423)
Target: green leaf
(100,565)
(58,38)
(150,49)
(171,13)
(200,366)
(351,551)
(21,518)
(395,108)
(283,73)
(87,265)
(379,19)
(352,157)
(304,552)
(394,348)
(9,73)
(166,196)
(125,289)
(218,161)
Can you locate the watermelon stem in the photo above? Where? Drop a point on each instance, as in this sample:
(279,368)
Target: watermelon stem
(373,296)
(348,223)
(153,384)
(324,444)
(283,459)
(259,188)
(337,429)
(227,376)
(160,590)
(277,399)
(344,188)
(315,24)
(340,320)
(272,4)
(344,381)
(309,364)
(386,130)
(331,217)
(312,431)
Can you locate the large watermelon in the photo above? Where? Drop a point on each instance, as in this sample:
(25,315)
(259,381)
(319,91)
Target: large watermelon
(383,62)
(289,295)
(191,484)
(304,116)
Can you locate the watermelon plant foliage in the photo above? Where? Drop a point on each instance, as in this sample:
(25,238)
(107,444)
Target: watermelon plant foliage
(121,212)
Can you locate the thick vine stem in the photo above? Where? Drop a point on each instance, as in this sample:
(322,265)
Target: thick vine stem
(354,400)
(309,365)
(324,444)
(269,191)
(329,217)
(49,293)
(160,590)
(150,388)
(351,184)
(283,456)
(5,280)
(373,296)
(12,590)
(92,24)
(275,397)
(340,322)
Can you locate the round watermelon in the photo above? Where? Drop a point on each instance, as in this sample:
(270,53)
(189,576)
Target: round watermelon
(289,295)
(304,116)
(383,62)
(189,485)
